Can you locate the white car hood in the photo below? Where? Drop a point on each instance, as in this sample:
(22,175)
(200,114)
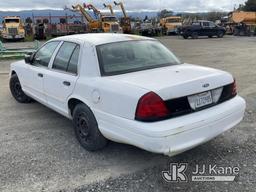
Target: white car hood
(176,81)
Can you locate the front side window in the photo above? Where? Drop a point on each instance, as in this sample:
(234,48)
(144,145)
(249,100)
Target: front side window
(67,58)
(131,56)
(206,24)
(212,24)
(43,56)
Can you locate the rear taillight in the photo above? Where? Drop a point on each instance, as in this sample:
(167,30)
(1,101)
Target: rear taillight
(151,107)
(234,88)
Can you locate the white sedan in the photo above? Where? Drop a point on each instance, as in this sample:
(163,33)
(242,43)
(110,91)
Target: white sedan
(128,89)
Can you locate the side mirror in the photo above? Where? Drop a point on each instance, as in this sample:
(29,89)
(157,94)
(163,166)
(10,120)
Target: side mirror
(29,58)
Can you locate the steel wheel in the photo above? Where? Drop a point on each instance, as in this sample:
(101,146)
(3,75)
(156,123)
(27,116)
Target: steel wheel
(83,127)
(86,129)
(17,91)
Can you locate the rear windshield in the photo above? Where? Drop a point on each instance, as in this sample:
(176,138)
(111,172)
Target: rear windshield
(132,56)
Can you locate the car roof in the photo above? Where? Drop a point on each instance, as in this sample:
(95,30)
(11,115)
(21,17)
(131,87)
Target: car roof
(101,38)
(173,17)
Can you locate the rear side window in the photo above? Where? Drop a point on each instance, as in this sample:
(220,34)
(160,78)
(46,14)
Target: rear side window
(67,58)
(72,67)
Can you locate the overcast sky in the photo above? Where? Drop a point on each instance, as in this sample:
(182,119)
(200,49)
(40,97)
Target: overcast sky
(131,5)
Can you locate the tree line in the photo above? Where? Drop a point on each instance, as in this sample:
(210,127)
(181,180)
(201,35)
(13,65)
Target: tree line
(249,5)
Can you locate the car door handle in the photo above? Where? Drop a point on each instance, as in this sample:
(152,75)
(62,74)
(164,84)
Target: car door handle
(66,83)
(40,75)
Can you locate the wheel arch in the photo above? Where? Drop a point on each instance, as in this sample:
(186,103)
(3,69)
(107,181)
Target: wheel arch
(73,102)
(13,72)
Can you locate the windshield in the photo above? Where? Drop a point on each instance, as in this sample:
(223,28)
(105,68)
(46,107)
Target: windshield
(109,19)
(173,20)
(131,56)
(12,20)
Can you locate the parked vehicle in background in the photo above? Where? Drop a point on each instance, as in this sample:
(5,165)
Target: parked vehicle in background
(242,23)
(13,28)
(128,89)
(1,29)
(125,21)
(148,28)
(170,24)
(202,28)
(103,23)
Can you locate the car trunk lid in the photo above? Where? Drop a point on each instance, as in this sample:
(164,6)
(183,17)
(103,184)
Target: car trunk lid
(177,81)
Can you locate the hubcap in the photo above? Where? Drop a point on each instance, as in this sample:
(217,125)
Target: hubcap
(83,127)
(17,89)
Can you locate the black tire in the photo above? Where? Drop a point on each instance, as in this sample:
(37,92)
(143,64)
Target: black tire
(220,34)
(210,36)
(17,91)
(86,129)
(185,36)
(194,35)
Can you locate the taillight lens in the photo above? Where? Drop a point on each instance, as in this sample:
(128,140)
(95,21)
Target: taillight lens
(151,107)
(234,88)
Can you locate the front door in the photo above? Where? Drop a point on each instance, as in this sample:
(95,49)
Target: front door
(37,70)
(206,30)
(214,28)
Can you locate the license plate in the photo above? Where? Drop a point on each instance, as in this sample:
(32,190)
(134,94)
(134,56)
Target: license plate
(200,100)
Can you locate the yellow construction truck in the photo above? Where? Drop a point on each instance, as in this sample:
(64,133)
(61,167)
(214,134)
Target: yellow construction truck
(170,24)
(103,23)
(242,23)
(13,28)
(125,20)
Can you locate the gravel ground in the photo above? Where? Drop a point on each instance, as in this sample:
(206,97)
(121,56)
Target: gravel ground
(38,150)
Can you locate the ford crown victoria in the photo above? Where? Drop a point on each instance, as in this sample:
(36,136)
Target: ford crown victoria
(128,89)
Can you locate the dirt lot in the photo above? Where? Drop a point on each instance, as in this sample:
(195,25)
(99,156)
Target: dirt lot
(39,152)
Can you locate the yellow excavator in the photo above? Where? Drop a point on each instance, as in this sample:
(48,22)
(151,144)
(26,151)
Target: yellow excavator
(103,23)
(125,20)
(109,23)
(110,8)
(93,25)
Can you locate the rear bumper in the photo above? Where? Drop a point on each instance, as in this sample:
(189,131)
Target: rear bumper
(174,136)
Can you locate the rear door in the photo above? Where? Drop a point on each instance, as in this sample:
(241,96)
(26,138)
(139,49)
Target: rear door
(60,80)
